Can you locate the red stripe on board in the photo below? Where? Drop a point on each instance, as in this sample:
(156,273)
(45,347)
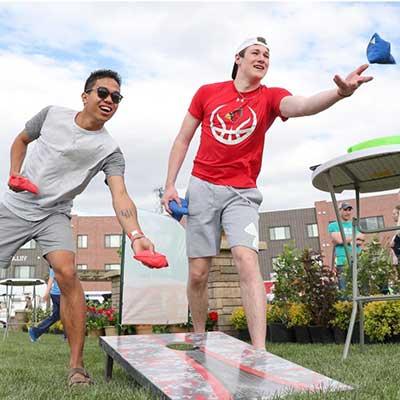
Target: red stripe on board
(256,372)
(218,388)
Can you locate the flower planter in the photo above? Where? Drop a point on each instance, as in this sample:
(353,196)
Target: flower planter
(280,333)
(96,332)
(340,334)
(393,339)
(302,334)
(320,334)
(144,329)
(243,334)
(110,330)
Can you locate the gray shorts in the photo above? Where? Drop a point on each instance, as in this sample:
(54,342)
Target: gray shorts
(216,207)
(52,233)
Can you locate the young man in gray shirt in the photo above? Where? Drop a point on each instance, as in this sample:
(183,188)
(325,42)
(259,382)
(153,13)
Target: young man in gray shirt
(70,149)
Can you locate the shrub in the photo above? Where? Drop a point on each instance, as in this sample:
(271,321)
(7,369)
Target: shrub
(57,327)
(238,318)
(382,319)
(376,324)
(342,314)
(299,315)
(278,313)
(375,269)
(289,275)
(320,288)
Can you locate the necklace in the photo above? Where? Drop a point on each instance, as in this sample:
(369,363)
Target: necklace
(238,112)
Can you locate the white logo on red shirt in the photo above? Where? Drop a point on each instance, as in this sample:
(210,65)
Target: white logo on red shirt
(238,131)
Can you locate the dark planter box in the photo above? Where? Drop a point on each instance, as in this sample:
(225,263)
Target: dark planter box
(321,334)
(279,333)
(243,334)
(302,334)
(340,334)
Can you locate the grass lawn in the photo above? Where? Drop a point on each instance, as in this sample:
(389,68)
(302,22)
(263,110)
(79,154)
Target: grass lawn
(37,371)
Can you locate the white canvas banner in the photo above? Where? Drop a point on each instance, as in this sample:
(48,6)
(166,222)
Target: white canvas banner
(156,296)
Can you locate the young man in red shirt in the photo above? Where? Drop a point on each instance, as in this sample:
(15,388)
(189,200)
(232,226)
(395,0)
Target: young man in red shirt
(222,192)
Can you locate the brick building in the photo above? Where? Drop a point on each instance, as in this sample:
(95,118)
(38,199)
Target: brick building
(308,227)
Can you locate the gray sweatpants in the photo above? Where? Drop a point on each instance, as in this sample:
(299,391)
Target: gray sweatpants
(216,207)
(52,233)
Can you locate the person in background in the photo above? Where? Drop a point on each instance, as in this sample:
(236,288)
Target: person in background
(53,292)
(345,210)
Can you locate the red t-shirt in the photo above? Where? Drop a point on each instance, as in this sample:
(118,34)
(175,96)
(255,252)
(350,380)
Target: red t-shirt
(233,131)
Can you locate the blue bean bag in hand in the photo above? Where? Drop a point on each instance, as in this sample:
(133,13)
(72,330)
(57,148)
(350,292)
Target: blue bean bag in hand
(179,212)
(378,51)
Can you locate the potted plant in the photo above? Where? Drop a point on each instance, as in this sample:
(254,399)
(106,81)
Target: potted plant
(95,320)
(341,320)
(382,320)
(277,323)
(299,317)
(320,293)
(375,270)
(238,320)
(212,320)
(110,329)
(289,276)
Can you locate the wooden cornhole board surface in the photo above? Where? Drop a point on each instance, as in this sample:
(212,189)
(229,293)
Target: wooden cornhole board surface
(219,367)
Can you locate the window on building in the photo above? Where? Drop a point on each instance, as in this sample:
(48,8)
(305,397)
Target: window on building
(113,241)
(29,245)
(312,230)
(372,222)
(82,241)
(279,233)
(81,266)
(112,267)
(3,273)
(24,271)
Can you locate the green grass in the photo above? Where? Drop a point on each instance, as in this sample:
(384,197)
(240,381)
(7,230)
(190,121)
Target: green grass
(37,371)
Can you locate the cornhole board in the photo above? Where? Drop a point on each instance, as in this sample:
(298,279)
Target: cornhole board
(217,367)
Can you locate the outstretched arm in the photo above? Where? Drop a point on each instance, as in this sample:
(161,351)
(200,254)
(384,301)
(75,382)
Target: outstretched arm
(126,213)
(299,106)
(176,157)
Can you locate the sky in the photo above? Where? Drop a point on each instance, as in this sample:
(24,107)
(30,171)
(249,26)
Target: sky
(165,51)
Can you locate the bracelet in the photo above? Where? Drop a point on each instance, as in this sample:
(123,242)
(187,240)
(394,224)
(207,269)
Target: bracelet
(137,237)
(342,95)
(134,235)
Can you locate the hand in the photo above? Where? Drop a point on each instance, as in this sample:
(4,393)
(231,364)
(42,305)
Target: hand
(352,82)
(20,183)
(12,187)
(46,297)
(141,244)
(170,193)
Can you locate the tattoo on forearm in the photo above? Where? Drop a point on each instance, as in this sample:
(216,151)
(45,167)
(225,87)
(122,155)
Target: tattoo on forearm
(128,213)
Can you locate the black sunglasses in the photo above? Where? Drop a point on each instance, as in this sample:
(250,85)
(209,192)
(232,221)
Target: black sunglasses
(103,93)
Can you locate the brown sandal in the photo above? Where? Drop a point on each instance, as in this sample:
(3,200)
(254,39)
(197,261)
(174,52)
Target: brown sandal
(79,377)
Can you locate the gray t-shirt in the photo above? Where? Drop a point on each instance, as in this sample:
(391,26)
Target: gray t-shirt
(63,160)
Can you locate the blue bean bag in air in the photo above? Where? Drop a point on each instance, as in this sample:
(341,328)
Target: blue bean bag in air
(378,51)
